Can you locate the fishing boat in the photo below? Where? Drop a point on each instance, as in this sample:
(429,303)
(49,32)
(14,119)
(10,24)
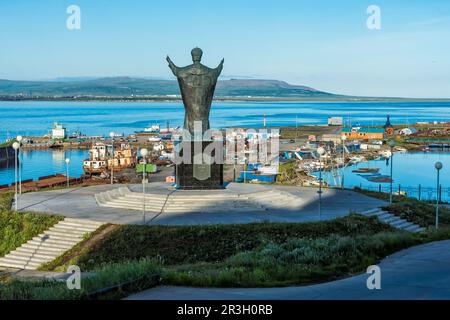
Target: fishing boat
(366,170)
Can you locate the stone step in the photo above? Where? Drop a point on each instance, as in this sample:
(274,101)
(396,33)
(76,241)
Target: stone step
(404,224)
(25,259)
(385,215)
(84,222)
(40,246)
(139,201)
(4,261)
(205,210)
(391,219)
(205,197)
(394,220)
(48,245)
(147,195)
(71,229)
(17,265)
(133,207)
(224,206)
(52,243)
(43,238)
(38,253)
(61,236)
(414,228)
(376,213)
(370,212)
(139,197)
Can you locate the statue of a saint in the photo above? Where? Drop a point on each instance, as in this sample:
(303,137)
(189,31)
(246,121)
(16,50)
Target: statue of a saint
(197,84)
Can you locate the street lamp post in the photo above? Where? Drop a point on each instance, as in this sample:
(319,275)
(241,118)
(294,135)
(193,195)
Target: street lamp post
(16,147)
(343,160)
(245,169)
(67,170)
(112,134)
(391,145)
(321,152)
(19,140)
(235,159)
(144,153)
(438,166)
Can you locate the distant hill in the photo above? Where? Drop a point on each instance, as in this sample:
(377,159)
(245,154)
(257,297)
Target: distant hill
(128,86)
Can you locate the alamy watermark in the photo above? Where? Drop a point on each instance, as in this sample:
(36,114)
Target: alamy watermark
(73,22)
(373,22)
(230,146)
(74,280)
(374,280)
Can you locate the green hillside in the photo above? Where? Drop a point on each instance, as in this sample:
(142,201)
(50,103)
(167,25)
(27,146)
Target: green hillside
(127,86)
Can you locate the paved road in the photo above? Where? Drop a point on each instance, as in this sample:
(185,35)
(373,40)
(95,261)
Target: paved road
(421,272)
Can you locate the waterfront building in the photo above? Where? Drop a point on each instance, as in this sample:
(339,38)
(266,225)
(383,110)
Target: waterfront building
(100,158)
(361,133)
(332,137)
(58,131)
(335,121)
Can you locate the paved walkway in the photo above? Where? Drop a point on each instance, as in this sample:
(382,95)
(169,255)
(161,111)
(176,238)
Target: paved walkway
(34,274)
(80,203)
(421,272)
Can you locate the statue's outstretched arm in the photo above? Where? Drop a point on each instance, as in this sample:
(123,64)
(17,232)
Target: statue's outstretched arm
(172,66)
(220,67)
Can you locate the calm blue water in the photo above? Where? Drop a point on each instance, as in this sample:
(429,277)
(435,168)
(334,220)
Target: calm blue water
(409,170)
(99,118)
(38,163)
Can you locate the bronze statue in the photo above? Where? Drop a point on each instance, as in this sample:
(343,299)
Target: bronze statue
(197,84)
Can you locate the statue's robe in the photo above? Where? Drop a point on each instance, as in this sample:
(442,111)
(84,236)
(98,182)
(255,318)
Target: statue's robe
(197,84)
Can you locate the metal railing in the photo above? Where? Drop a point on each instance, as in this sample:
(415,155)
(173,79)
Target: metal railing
(419,192)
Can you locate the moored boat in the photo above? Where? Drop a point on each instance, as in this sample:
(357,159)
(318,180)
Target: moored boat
(366,170)
(380,179)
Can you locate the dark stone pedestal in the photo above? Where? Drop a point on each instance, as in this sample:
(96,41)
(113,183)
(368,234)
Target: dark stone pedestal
(191,176)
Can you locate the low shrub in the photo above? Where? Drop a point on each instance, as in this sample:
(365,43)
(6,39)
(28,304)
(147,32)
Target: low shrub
(192,244)
(119,280)
(298,261)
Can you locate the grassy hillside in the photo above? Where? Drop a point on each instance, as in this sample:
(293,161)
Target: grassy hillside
(127,86)
(193,244)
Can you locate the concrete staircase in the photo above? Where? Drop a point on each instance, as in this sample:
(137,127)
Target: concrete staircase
(49,245)
(393,220)
(123,198)
(198,201)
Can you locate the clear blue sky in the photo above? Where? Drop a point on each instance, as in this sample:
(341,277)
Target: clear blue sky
(323,44)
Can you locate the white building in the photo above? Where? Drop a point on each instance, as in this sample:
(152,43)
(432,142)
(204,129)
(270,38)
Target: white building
(335,121)
(58,131)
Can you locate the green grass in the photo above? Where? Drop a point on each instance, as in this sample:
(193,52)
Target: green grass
(298,261)
(123,279)
(17,228)
(7,144)
(175,245)
(420,212)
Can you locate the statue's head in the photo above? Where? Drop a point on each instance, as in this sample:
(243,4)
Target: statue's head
(196,54)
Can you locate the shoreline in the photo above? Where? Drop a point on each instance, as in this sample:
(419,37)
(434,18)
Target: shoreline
(223,99)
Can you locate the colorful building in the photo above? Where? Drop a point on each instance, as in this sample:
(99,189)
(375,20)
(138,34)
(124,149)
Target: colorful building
(360,133)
